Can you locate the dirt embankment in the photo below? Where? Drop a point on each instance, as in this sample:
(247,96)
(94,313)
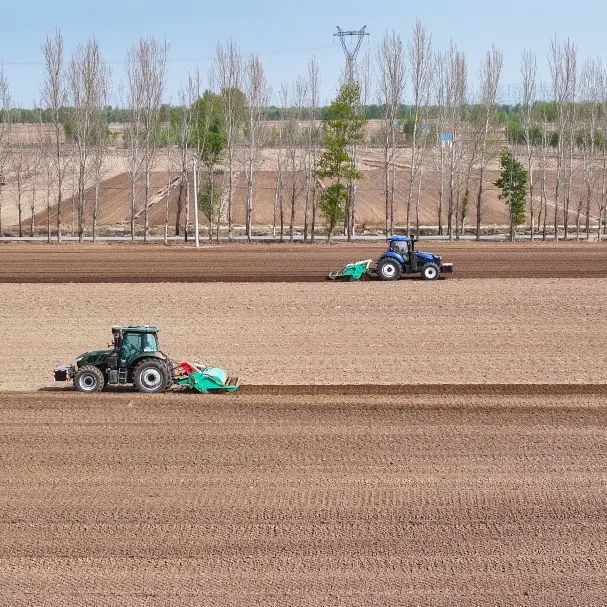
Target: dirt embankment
(283,263)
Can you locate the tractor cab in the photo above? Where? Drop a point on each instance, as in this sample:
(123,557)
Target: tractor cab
(131,342)
(403,246)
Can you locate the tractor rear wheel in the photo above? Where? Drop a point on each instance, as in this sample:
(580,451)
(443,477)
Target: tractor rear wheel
(389,269)
(151,375)
(430,272)
(89,379)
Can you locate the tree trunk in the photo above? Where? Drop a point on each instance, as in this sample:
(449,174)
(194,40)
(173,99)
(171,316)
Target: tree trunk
(146,226)
(95,209)
(133,193)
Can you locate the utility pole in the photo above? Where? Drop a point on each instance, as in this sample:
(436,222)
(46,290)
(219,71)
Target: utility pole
(351,52)
(196,226)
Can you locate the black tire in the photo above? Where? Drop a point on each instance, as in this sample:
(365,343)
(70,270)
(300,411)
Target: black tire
(89,379)
(430,272)
(151,375)
(389,269)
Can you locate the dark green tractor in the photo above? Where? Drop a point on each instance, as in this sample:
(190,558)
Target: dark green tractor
(133,358)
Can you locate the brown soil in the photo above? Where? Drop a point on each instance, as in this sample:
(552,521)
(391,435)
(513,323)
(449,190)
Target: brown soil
(453,332)
(114,206)
(257,500)
(283,263)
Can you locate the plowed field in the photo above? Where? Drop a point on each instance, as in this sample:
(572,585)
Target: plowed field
(283,263)
(416,332)
(297,500)
(412,443)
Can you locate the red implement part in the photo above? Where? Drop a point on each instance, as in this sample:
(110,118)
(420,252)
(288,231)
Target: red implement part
(186,368)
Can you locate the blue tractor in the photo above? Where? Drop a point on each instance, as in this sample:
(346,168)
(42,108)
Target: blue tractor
(400,258)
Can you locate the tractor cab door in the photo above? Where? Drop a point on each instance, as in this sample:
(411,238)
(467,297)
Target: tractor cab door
(134,344)
(400,247)
(129,348)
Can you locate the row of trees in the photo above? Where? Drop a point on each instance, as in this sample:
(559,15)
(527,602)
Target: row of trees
(434,129)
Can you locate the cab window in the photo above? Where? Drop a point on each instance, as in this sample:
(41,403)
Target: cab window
(131,346)
(149,343)
(399,246)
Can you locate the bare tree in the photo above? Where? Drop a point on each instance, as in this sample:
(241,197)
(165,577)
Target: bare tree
(528,94)
(257,94)
(312,144)
(169,187)
(187,95)
(420,62)
(543,214)
(229,71)
(5,132)
(146,70)
(88,83)
(441,85)
(590,86)
(282,154)
(391,86)
(456,90)
(36,162)
(54,97)
(491,69)
(21,170)
(45,146)
(295,158)
(562,60)
(602,198)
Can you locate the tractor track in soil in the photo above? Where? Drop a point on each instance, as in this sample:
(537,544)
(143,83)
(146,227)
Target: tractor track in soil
(428,389)
(324,499)
(43,263)
(380,390)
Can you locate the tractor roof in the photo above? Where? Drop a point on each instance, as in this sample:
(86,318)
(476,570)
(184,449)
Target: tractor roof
(401,238)
(137,329)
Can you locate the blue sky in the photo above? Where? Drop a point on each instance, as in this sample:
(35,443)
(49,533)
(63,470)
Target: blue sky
(285,34)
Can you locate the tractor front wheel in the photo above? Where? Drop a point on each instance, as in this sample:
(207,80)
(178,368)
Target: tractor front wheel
(89,379)
(389,269)
(430,272)
(151,375)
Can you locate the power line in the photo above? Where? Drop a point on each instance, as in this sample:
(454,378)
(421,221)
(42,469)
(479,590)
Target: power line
(351,53)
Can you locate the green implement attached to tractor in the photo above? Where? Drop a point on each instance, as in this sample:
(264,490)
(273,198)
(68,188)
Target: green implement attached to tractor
(353,271)
(134,358)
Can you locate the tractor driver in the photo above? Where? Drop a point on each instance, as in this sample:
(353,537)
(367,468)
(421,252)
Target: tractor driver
(129,348)
(400,247)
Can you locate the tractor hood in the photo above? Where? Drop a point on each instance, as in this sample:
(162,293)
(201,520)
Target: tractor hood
(426,257)
(94,357)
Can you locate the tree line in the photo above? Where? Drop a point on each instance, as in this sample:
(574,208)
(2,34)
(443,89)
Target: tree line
(435,126)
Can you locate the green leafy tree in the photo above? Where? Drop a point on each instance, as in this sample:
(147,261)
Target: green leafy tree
(208,138)
(342,128)
(332,205)
(513,185)
(209,202)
